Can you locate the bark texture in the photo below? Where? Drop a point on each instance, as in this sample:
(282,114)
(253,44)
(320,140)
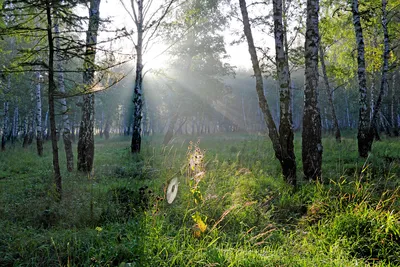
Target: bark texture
(39,134)
(51,91)
(66,133)
(286,136)
(364,141)
(138,90)
(282,142)
(311,135)
(86,130)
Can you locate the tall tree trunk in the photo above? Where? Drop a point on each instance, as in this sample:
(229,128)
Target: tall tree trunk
(384,82)
(45,126)
(364,141)
(395,107)
(138,91)
(51,91)
(66,133)
(73,128)
(286,136)
(124,120)
(311,135)
(330,96)
(25,133)
(39,134)
(346,99)
(5,126)
(282,142)
(14,134)
(31,120)
(244,114)
(390,111)
(372,96)
(170,132)
(86,130)
(101,124)
(107,128)
(145,117)
(25,143)
(6,115)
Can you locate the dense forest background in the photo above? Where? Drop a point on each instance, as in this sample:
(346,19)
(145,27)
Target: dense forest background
(277,120)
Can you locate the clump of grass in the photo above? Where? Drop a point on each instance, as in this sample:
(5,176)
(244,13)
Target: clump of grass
(253,218)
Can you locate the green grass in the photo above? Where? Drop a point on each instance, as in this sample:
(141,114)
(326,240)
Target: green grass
(118,216)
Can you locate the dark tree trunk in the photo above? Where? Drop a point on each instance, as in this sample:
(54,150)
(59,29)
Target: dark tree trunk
(86,130)
(14,134)
(364,140)
(73,128)
(395,107)
(101,124)
(170,132)
(5,126)
(25,133)
(51,91)
(311,135)
(86,135)
(107,128)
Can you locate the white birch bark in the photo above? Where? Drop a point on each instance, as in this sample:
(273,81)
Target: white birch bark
(282,142)
(38,117)
(138,90)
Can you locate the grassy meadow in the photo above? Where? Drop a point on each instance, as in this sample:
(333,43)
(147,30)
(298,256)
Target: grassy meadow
(237,212)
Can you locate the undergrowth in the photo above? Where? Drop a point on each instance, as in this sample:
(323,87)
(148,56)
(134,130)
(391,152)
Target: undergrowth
(232,209)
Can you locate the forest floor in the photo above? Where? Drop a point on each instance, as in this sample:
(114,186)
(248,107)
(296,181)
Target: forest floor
(240,214)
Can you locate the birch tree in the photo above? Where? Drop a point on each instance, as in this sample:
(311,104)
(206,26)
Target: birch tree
(147,19)
(282,142)
(311,134)
(364,141)
(86,129)
(286,135)
(39,133)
